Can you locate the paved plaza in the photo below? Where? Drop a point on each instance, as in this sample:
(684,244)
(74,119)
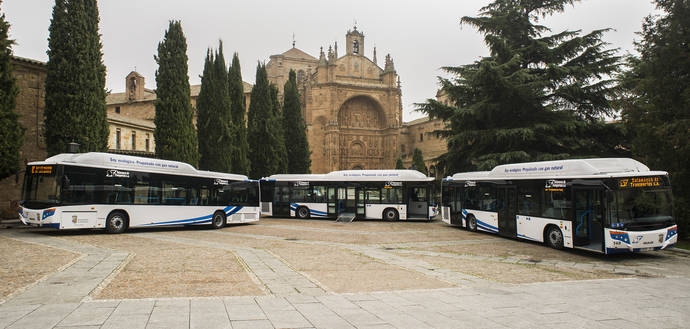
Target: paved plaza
(281,273)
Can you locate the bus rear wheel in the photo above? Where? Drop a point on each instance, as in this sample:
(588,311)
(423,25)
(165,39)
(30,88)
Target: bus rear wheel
(471,223)
(554,237)
(116,222)
(303,212)
(390,214)
(218,220)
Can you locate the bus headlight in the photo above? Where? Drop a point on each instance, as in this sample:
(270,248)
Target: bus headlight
(661,238)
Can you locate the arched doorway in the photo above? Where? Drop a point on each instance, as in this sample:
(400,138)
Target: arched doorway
(361,125)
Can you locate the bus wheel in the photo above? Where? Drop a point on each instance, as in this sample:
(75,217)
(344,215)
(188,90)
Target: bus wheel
(471,223)
(390,214)
(116,222)
(303,212)
(218,220)
(554,237)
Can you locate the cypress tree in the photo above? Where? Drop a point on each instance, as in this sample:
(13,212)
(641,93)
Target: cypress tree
(296,144)
(266,146)
(418,161)
(399,164)
(176,138)
(11,132)
(656,112)
(238,107)
(277,123)
(214,122)
(75,79)
(535,97)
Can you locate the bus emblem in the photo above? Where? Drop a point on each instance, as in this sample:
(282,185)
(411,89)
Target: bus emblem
(117,173)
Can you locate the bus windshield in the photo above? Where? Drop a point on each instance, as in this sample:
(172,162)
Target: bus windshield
(40,187)
(643,206)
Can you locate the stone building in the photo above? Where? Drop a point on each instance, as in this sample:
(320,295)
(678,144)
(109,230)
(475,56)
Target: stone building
(352,106)
(353,109)
(31,76)
(131,114)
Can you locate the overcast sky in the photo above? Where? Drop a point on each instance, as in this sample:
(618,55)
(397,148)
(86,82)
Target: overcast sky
(421,36)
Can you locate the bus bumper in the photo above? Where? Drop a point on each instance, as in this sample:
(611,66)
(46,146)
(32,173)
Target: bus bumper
(618,241)
(39,218)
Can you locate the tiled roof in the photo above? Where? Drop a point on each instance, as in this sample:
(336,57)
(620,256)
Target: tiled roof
(150,95)
(417,121)
(126,120)
(28,60)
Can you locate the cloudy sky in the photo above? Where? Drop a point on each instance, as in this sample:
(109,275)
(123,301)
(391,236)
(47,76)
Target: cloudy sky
(421,36)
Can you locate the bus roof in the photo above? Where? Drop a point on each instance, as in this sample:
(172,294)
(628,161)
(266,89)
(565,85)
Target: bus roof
(128,162)
(574,168)
(356,175)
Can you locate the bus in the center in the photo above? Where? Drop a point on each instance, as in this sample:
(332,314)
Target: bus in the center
(360,194)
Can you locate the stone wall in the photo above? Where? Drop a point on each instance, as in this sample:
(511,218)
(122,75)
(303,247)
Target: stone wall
(30,77)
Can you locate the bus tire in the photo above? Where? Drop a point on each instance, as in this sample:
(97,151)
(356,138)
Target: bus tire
(390,214)
(302,212)
(116,222)
(471,222)
(218,220)
(553,237)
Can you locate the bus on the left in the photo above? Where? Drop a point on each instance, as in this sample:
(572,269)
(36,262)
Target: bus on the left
(116,192)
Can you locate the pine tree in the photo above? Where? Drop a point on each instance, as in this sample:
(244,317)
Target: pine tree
(11,132)
(238,106)
(214,121)
(535,97)
(176,138)
(418,161)
(266,149)
(296,144)
(75,79)
(399,164)
(656,113)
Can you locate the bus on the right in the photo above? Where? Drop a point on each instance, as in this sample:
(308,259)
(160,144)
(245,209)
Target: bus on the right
(606,205)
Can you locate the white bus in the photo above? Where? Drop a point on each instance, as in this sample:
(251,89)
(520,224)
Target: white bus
(363,194)
(112,191)
(603,205)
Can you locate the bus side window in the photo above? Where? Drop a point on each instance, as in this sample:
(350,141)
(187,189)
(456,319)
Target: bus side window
(374,195)
(203,196)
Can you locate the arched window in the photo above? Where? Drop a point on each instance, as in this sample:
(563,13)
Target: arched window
(355,47)
(300,77)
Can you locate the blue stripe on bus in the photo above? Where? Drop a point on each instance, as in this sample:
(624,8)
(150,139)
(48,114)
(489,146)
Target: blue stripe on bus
(487,226)
(294,206)
(198,220)
(526,237)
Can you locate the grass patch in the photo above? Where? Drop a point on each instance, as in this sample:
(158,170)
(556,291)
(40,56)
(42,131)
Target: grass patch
(683,244)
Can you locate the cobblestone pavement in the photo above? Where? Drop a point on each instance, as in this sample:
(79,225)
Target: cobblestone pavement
(650,293)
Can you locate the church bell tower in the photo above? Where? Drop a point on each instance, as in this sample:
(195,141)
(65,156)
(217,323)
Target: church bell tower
(355,42)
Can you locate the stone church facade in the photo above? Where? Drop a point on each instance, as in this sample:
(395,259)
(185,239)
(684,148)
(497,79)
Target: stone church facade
(352,106)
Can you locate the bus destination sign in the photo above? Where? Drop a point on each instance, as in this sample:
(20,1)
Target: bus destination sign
(635,182)
(42,170)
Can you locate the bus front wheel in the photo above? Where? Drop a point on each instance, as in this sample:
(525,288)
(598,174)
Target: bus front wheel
(390,214)
(554,237)
(218,220)
(116,222)
(471,223)
(303,212)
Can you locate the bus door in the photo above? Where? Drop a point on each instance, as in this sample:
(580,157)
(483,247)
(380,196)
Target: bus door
(418,201)
(333,209)
(347,200)
(360,201)
(281,200)
(589,214)
(507,210)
